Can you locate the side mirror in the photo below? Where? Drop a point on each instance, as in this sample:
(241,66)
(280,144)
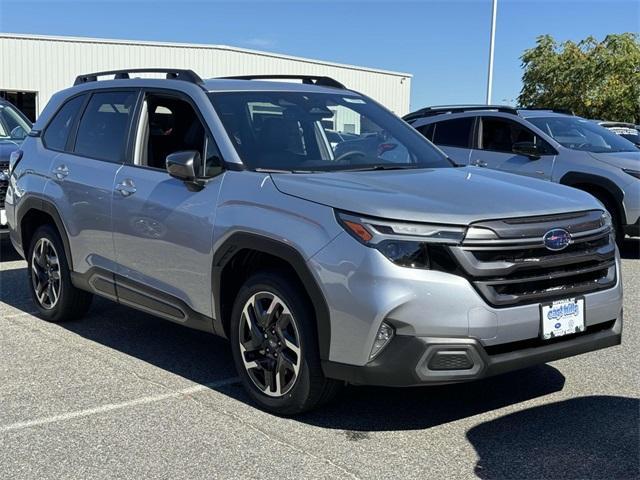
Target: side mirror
(18,133)
(184,165)
(528,149)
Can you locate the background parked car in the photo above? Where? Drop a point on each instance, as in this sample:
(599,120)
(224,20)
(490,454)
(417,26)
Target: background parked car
(545,144)
(626,130)
(14,127)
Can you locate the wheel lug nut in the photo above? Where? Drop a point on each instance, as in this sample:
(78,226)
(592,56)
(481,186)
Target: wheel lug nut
(265,335)
(275,354)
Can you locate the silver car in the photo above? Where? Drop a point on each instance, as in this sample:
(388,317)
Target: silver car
(223,206)
(545,144)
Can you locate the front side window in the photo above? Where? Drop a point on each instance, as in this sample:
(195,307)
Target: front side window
(580,134)
(172,125)
(501,135)
(57,132)
(102,133)
(320,132)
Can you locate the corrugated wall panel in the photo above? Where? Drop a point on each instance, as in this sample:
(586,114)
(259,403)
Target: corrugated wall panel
(46,65)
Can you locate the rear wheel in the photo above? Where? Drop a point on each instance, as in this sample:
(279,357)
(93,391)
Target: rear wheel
(274,344)
(51,289)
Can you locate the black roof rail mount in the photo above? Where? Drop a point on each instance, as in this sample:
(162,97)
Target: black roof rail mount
(442,109)
(306,79)
(172,73)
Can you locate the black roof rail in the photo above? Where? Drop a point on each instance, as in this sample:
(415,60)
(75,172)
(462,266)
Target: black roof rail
(172,73)
(566,111)
(442,109)
(306,79)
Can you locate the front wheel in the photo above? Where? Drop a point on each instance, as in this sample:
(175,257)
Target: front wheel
(274,345)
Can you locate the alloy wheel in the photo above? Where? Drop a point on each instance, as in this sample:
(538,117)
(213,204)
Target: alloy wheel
(270,344)
(45,274)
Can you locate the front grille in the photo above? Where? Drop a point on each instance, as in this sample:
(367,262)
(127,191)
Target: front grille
(4,184)
(514,269)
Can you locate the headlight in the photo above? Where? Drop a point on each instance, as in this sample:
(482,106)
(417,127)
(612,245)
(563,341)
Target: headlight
(633,173)
(606,219)
(404,243)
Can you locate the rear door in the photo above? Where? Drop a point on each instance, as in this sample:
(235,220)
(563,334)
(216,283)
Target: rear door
(453,136)
(496,137)
(163,227)
(83,172)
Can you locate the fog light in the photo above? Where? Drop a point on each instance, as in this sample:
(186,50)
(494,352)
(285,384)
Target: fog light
(383,337)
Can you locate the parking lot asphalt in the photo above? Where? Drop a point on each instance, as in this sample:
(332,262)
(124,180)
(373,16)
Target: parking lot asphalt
(121,394)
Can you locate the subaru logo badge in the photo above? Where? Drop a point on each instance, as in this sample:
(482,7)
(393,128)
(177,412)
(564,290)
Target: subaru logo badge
(557,239)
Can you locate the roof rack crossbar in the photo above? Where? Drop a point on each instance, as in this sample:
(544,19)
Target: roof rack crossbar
(306,79)
(566,111)
(171,73)
(441,109)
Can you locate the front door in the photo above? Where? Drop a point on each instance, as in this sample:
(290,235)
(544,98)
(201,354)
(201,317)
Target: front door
(496,139)
(163,227)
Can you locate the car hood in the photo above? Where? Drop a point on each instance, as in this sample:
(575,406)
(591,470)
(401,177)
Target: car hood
(457,196)
(6,148)
(630,160)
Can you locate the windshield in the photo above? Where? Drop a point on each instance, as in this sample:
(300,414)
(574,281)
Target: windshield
(13,125)
(301,131)
(580,134)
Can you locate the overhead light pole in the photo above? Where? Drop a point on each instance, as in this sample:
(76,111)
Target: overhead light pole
(494,10)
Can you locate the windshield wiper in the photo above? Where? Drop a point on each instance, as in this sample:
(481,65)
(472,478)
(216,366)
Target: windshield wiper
(381,167)
(277,170)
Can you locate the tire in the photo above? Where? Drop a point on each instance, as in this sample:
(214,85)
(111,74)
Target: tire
(616,220)
(291,322)
(56,298)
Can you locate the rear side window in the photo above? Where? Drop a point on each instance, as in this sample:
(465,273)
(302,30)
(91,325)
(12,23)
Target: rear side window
(454,133)
(102,133)
(57,132)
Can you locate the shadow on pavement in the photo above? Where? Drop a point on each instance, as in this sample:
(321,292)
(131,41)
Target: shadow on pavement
(630,249)
(581,438)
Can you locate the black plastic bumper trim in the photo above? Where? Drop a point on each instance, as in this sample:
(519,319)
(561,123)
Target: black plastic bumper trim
(404,361)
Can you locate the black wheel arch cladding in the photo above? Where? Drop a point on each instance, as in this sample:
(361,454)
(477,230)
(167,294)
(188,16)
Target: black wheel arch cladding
(239,241)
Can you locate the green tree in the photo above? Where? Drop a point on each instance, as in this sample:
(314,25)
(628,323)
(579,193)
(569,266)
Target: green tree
(594,79)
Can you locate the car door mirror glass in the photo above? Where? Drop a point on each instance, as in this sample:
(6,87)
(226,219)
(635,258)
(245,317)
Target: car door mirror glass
(528,149)
(184,165)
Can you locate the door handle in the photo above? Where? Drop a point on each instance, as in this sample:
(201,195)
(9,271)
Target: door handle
(479,163)
(61,171)
(126,187)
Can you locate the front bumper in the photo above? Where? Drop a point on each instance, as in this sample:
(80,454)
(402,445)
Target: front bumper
(409,361)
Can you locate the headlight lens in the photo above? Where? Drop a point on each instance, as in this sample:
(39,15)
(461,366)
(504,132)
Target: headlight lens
(404,243)
(633,173)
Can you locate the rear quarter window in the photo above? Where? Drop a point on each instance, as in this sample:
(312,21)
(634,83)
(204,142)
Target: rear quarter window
(57,132)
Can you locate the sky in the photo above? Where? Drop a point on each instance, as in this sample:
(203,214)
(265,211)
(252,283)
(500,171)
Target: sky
(443,44)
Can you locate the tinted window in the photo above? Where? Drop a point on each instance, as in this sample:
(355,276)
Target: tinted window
(454,133)
(427,131)
(103,128)
(57,132)
(499,135)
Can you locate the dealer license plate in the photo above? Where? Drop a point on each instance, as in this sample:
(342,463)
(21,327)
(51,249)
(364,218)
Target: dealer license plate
(562,317)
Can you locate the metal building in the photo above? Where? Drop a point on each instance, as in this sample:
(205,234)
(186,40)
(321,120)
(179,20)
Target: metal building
(34,67)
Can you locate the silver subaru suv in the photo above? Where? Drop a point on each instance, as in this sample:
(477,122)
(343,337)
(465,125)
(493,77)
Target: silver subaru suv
(552,145)
(224,206)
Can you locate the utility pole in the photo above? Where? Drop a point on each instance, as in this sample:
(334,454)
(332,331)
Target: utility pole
(494,11)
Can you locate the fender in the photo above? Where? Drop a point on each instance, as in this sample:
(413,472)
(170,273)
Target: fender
(37,203)
(574,178)
(244,240)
